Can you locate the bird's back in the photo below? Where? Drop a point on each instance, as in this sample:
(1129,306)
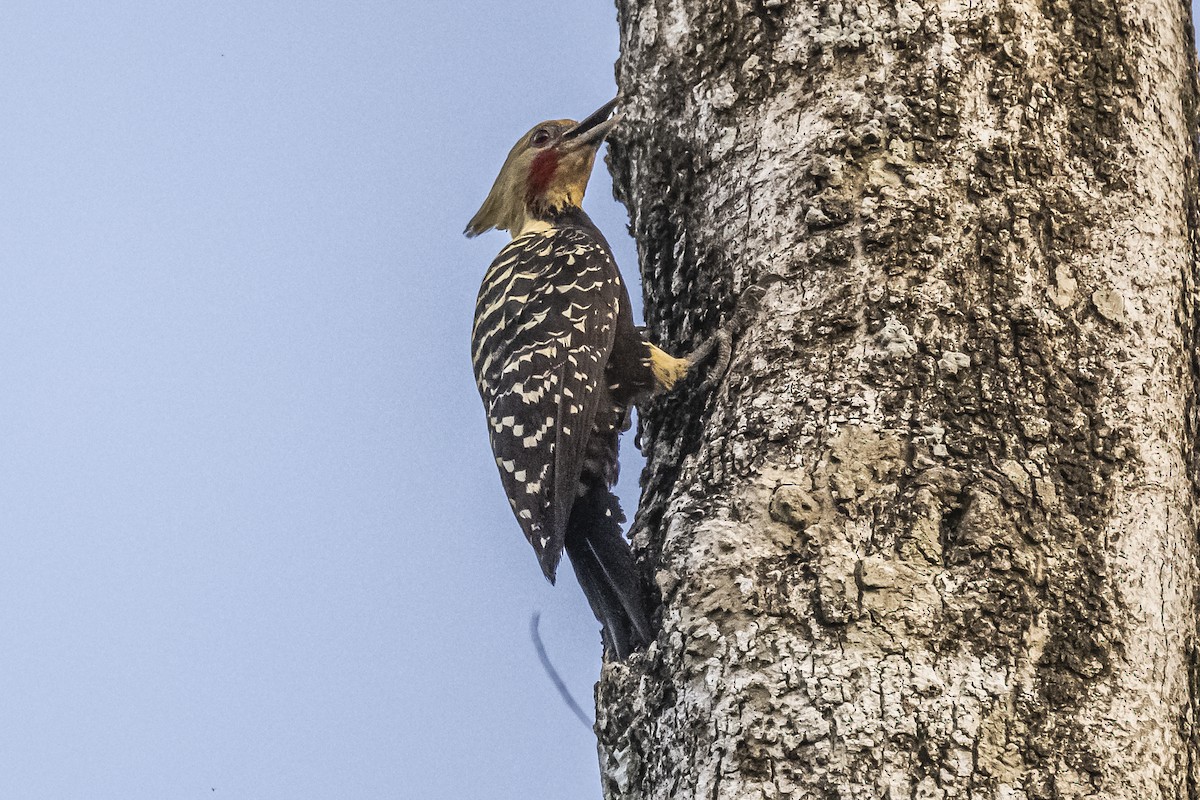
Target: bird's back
(545,323)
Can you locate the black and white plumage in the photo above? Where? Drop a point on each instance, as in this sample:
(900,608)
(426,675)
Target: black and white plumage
(556,380)
(545,322)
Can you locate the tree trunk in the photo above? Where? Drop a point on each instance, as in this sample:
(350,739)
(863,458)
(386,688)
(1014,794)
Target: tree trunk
(935,534)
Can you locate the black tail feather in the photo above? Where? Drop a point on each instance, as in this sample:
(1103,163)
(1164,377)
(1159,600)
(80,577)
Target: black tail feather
(604,565)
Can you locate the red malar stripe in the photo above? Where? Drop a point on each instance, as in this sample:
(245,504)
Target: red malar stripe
(540,173)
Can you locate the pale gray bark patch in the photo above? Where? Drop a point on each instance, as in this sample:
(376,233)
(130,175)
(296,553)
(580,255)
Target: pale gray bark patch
(935,535)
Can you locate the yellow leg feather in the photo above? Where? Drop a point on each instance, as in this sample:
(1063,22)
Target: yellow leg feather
(667,369)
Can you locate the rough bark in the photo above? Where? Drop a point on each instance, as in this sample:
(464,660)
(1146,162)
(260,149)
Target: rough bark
(935,535)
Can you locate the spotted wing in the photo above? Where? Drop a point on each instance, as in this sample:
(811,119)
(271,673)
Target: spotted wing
(544,327)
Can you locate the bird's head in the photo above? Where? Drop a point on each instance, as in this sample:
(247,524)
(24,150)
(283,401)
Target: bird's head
(545,173)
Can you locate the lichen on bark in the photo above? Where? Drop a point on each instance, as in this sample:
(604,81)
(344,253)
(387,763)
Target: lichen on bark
(935,534)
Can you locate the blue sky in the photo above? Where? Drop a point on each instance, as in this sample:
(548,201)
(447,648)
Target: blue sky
(254,543)
(254,539)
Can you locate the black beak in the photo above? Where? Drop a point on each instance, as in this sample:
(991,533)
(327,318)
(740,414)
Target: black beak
(597,125)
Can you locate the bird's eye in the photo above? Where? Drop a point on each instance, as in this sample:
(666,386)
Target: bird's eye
(540,137)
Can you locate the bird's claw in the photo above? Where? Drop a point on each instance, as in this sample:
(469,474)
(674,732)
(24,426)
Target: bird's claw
(720,345)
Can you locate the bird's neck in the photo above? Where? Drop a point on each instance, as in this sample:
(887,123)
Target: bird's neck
(533,225)
(570,216)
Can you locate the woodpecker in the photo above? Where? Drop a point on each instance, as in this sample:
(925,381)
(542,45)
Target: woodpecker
(558,362)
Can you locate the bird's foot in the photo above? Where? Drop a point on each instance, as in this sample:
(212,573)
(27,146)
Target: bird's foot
(717,347)
(720,344)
